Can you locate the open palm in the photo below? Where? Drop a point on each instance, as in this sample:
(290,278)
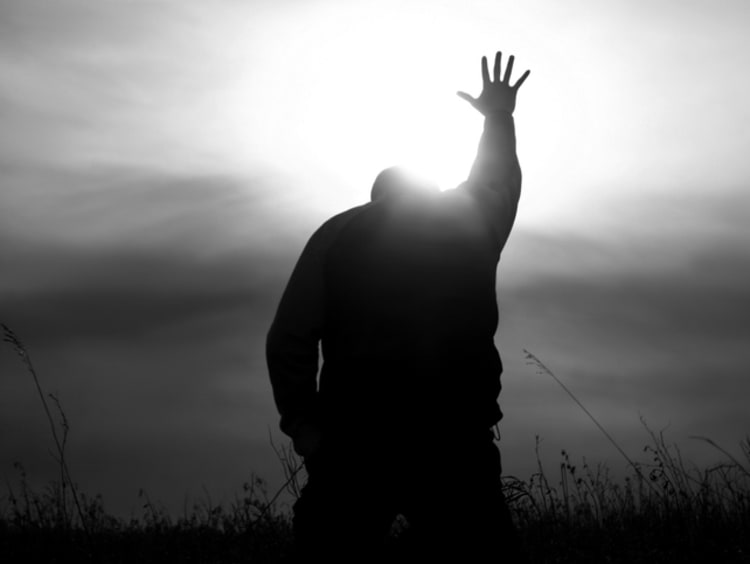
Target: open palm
(497,95)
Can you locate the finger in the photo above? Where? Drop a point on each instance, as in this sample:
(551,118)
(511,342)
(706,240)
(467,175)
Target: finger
(466,97)
(485,72)
(498,59)
(508,69)
(520,80)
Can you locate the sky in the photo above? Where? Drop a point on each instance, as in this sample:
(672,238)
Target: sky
(163,163)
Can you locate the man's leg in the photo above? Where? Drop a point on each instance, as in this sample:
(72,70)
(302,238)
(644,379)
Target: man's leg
(344,512)
(456,507)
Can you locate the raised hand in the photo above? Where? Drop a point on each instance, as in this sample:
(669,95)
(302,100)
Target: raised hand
(497,95)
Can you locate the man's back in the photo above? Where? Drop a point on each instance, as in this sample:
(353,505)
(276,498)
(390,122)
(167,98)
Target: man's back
(400,293)
(411,315)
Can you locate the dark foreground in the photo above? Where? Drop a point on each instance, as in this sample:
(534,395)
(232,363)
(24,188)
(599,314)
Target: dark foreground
(662,513)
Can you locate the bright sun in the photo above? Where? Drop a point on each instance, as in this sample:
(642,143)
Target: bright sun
(423,126)
(329,97)
(346,94)
(354,103)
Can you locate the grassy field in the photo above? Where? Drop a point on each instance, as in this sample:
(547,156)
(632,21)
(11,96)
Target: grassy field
(665,511)
(662,513)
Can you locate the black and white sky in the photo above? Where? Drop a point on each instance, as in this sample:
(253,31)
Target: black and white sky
(163,163)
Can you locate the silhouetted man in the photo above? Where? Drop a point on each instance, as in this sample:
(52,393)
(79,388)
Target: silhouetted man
(400,295)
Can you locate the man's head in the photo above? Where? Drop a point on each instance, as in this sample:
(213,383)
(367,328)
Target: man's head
(397,181)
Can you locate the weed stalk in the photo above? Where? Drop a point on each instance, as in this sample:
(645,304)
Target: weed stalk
(10,337)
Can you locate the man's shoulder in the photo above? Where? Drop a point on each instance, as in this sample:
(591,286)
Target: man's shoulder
(327,233)
(344,217)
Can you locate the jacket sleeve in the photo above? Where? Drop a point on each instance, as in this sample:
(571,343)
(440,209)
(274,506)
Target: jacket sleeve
(495,178)
(292,341)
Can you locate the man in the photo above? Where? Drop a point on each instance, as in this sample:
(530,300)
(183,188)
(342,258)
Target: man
(400,295)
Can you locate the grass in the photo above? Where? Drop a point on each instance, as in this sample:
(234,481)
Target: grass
(248,530)
(665,511)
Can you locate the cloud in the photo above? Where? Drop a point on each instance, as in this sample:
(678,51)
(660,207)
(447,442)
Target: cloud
(140,207)
(144,299)
(118,294)
(115,251)
(663,339)
(128,84)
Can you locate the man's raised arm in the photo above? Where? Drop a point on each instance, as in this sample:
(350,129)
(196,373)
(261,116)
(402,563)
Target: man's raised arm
(495,177)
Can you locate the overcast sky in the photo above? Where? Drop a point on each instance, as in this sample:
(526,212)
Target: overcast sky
(163,163)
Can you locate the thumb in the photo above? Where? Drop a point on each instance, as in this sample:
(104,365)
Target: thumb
(466,97)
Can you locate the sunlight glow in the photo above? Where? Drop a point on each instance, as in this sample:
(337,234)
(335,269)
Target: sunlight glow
(403,112)
(348,92)
(351,103)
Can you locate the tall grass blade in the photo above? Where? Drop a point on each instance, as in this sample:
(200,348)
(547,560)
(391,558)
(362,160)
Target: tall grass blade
(10,337)
(531,358)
